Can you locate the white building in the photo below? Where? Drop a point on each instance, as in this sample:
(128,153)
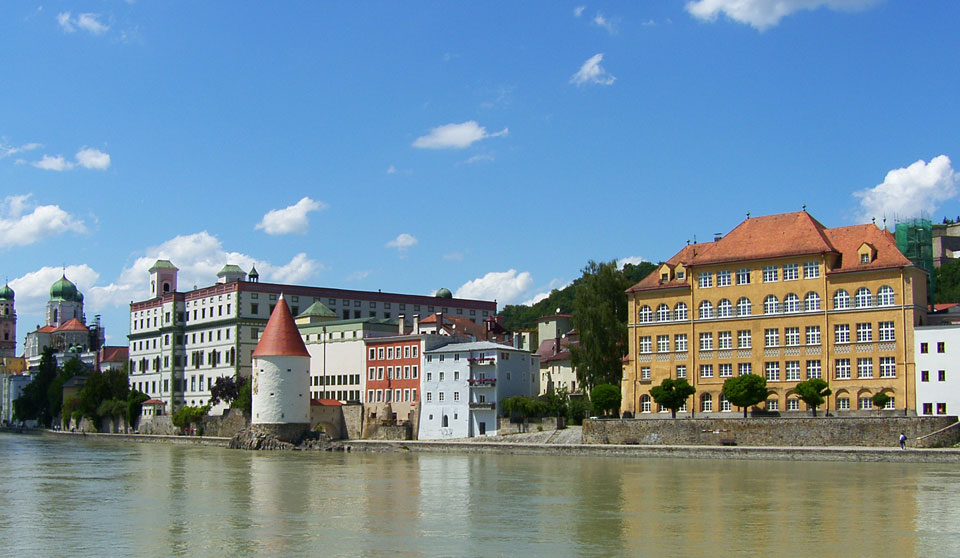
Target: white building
(463,384)
(938,369)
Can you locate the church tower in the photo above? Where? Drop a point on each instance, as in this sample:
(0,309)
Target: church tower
(281,378)
(8,323)
(163,278)
(65,304)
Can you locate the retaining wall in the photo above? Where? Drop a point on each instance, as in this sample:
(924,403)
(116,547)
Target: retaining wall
(807,432)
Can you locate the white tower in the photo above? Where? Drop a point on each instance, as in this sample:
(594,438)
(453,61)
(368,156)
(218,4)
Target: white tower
(163,278)
(281,378)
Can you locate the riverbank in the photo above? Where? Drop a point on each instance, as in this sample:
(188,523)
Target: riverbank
(142,438)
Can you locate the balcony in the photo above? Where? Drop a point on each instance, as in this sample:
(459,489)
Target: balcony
(482,382)
(482,405)
(480,360)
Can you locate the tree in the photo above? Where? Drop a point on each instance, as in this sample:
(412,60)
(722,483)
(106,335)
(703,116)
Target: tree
(605,397)
(100,387)
(34,402)
(600,318)
(244,399)
(745,391)
(880,401)
(672,394)
(946,282)
(555,401)
(226,389)
(187,415)
(813,392)
(135,406)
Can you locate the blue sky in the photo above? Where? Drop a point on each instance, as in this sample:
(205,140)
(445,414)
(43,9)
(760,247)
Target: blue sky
(491,148)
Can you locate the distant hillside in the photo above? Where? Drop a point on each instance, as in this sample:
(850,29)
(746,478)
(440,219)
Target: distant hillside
(519,317)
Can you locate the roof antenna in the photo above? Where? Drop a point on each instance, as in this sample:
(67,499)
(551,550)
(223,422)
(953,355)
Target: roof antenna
(884,221)
(748,215)
(804,208)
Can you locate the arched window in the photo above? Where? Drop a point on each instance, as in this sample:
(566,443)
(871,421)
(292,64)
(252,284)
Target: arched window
(862,298)
(645,314)
(885,296)
(811,302)
(724,403)
(770,305)
(680,311)
(166,287)
(724,308)
(744,308)
(706,309)
(791,303)
(663,313)
(644,403)
(841,300)
(55,312)
(446,421)
(706,403)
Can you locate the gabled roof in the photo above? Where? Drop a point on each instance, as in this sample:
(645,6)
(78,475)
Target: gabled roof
(153,402)
(46,329)
(114,354)
(281,336)
(73,324)
(458,325)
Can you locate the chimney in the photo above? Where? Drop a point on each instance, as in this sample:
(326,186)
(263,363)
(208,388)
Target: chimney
(401,323)
(440,323)
(556,346)
(416,324)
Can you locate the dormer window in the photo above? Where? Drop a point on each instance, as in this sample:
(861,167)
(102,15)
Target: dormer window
(664,277)
(865,258)
(866,253)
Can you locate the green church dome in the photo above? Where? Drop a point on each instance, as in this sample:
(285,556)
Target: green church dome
(444,293)
(63,289)
(6,293)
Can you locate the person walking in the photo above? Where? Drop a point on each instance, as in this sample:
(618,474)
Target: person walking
(903,441)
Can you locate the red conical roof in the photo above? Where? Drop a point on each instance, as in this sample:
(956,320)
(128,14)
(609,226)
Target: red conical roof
(281,336)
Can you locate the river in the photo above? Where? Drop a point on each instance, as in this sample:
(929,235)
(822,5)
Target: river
(79,497)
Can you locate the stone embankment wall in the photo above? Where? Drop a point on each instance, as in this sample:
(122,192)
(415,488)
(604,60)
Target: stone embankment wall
(227,424)
(158,425)
(391,432)
(808,432)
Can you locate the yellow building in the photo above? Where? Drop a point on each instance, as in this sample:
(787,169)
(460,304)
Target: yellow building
(784,297)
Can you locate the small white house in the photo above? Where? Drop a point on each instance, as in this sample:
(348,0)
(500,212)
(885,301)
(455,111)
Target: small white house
(463,383)
(937,349)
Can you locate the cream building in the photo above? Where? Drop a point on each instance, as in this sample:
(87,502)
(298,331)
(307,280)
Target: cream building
(784,297)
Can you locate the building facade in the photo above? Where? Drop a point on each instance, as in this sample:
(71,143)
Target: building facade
(181,342)
(784,297)
(556,334)
(938,373)
(65,330)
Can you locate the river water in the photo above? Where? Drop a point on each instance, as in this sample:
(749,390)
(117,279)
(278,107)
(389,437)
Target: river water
(79,497)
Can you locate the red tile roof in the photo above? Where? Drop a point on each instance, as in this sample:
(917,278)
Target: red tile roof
(153,402)
(114,354)
(326,402)
(46,329)
(72,324)
(281,336)
(463,327)
(848,240)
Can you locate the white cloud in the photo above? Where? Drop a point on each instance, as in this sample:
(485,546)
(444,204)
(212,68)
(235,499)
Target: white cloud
(555,284)
(33,289)
(906,192)
(291,219)
(506,287)
(763,14)
(358,275)
(482,158)
(455,136)
(609,24)
(578,11)
(90,158)
(592,72)
(402,242)
(298,270)
(8,150)
(635,260)
(391,169)
(57,163)
(18,227)
(88,22)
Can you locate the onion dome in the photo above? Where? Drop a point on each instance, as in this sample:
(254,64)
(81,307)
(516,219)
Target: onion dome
(281,336)
(444,293)
(64,290)
(6,293)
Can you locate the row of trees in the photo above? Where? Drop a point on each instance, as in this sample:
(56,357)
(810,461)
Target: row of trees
(603,399)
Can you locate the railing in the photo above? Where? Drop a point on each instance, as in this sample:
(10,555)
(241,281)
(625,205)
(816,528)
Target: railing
(483,405)
(480,360)
(482,382)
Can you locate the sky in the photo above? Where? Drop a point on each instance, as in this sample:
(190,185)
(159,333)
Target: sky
(492,148)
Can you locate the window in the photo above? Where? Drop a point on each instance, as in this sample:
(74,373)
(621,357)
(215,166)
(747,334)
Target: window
(811,270)
(791,336)
(888,367)
(644,403)
(723,278)
(439,396)
(646,345)
(924,348)
(743,339)
(743,276)
(813,369)
(773,405)
(941,375)
(941,408)
(770,305)
(864,333)
(770,274)
(644,372)
(663,343)
(865,258)
(645,314)
(663,313)
(725,370)
(705,280)
(924,375)
(389,353)
(724,404)
(456,375)
(791,272)
(771,371)
(891,403)
(680,342)
(706,341)
(771,337)
(866,403)
(811,302)
(744,368)
(724,340)
(841,333)
(743,307)
(681,371)
(941,347)
(706,403)
(865,368)
(862,298)
(706,370)
(841,300)
(456,396)
(706,310)
(680,311)
(843,368)
(440,376)
(724,308)
(843,403)
(885,296)
(813,335)
(429,394)
(885,331)
(928,408)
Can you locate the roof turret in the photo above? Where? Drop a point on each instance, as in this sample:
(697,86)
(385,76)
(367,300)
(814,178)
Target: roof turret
(281,336)
(6,293)
(64,290)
